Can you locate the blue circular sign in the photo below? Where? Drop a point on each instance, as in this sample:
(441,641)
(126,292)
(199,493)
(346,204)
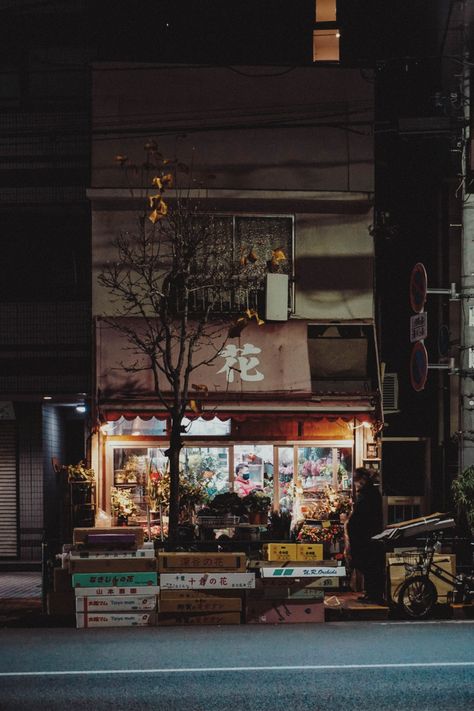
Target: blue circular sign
(418,287)
(418,366)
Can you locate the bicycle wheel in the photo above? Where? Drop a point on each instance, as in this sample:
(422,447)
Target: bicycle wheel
(417,597)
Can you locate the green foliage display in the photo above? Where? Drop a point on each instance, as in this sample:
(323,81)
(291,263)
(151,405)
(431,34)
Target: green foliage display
(462,490)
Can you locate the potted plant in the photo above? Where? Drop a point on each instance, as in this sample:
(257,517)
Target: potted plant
(257,505)
(123,505)
(462,490)
(81,479)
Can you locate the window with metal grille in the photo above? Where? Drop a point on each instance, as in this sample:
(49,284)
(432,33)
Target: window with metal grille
(248,244)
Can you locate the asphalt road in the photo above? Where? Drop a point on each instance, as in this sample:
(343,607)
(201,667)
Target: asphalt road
(332,666)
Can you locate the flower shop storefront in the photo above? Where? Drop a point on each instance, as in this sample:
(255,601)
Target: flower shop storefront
(294,471)
(283,415)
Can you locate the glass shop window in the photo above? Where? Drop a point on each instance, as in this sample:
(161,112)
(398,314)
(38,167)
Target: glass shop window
(253,468)
(286,478)
(207,469)
(136,427)
(206,428)
(133,469)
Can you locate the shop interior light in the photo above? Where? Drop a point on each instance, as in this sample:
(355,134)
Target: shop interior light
(80,408)
(47,397)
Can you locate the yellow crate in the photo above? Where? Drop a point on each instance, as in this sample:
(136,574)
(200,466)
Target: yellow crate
(309,551)
(280,551)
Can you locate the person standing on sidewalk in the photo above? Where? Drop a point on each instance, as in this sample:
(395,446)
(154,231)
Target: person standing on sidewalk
(365,521)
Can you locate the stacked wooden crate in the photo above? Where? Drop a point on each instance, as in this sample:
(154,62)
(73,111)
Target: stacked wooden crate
(114,576)
(292,583)
(202,588)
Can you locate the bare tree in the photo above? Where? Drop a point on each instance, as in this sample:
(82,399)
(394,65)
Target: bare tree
(171,272)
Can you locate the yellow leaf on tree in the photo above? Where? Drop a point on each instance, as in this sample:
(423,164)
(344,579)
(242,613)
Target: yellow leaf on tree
(157,182)
(159,212)
(278,255)
(195,406)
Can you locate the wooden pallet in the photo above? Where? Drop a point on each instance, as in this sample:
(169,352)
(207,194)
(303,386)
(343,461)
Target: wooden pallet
(349,608)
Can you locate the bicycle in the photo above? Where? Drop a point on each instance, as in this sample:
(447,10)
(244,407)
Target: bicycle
(417,595)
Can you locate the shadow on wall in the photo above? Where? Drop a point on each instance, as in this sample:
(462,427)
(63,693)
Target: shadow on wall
(334,273)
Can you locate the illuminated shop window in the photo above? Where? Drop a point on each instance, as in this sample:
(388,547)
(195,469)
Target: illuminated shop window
(253,468)
(286,478)
(326,45)
(207,428)
(207,468)
(136,427)
(325,10)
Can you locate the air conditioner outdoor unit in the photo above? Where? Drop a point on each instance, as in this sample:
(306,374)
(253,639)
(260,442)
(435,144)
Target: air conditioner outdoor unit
(276,297)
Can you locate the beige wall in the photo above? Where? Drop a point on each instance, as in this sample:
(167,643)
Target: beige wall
(319,172)
(334,258)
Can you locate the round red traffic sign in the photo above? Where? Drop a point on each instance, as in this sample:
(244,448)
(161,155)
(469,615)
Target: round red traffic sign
(418,287)
(418,366)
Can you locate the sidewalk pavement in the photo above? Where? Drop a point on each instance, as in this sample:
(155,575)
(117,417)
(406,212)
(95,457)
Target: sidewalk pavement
(21,599)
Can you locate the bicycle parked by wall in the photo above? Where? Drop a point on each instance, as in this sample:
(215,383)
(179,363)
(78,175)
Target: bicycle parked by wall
(417,595)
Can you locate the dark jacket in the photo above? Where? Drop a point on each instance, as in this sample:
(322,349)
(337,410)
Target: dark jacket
(365,520)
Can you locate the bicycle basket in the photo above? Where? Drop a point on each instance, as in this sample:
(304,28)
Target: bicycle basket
(412,559)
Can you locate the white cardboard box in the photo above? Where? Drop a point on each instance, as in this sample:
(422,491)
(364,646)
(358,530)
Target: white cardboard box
(147,591)
(309,571)
(206,581)
(115,619)
(119,603)
(107,555)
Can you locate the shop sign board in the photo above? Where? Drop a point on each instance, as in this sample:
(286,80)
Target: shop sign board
(418,287)
(316,571)
(418,327)
(206,581)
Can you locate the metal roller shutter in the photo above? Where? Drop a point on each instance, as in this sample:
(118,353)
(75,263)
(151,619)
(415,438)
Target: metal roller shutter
(8,491)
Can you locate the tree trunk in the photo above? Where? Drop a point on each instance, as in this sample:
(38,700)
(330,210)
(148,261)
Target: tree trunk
(173,455)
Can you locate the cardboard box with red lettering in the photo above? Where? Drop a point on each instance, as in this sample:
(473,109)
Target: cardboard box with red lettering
(280,612)
(199,562)
(115,603)
(201,604)
(114,565)
(191,594)
(213,618)
(309,551)
(101,591)
(280,551)
(206,581)
(115,619)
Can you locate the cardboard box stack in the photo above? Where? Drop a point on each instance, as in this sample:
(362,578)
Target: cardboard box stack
(114,578)
(292,582)
(202,588)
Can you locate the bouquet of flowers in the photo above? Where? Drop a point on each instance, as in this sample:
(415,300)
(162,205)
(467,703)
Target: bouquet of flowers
(122,502)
